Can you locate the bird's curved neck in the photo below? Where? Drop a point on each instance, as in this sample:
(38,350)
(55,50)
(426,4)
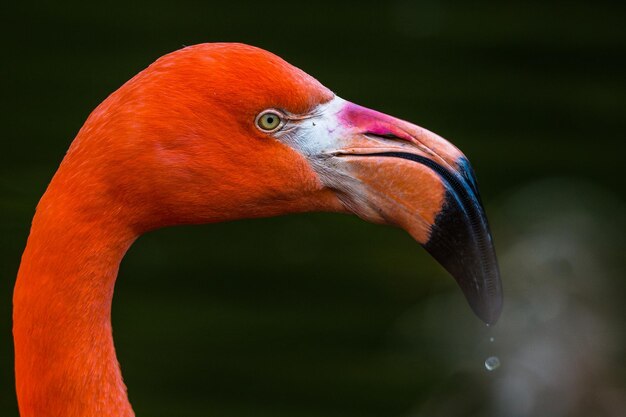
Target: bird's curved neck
(64,355)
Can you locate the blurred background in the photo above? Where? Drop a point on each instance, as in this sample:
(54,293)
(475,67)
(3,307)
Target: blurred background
(323,314)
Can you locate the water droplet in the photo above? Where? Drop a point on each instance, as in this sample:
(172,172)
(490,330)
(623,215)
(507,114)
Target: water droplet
(492,363)
(491,339)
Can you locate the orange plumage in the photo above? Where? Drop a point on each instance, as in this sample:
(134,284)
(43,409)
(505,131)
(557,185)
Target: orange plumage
(178,144)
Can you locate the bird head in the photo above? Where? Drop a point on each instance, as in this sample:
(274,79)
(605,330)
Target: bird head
(217,132)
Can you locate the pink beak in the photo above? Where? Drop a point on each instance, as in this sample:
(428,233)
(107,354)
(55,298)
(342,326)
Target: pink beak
(404,175)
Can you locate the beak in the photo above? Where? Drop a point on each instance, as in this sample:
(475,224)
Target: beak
(390,171)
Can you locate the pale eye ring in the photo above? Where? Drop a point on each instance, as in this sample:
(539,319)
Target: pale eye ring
(270,120)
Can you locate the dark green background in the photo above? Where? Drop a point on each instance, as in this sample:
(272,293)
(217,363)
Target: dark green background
(323,314)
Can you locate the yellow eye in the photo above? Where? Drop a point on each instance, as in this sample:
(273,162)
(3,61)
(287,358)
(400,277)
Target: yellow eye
(269,121)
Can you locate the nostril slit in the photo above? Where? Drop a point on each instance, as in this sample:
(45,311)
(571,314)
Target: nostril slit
(384,135)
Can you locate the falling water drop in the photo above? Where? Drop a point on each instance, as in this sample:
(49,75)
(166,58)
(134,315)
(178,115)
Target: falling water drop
(492,363)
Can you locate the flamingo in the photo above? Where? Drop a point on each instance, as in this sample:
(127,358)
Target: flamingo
(210,133)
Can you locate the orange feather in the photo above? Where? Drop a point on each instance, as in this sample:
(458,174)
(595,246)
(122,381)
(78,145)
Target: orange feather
(176,144)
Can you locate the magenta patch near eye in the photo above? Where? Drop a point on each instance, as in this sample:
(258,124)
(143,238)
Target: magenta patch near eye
(372,121)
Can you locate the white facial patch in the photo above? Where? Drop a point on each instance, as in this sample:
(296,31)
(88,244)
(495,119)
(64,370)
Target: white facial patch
(315,134)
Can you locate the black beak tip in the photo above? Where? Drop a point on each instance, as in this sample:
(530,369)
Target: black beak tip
(461,241)
(460,238)
(481,286)
(486,305)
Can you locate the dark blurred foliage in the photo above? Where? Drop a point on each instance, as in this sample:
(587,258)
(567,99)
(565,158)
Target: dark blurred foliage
(322,314)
